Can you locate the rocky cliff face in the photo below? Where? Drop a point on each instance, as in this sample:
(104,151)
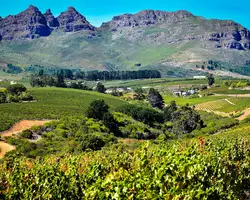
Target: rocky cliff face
(176,27)
(236,38)
(72,21)
(52,22)
(28,24)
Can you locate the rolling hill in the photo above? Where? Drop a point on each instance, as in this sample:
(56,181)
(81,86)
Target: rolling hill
(166,41)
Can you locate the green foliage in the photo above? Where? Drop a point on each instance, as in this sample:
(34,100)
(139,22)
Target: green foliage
(3,97)
(143,114)
(100,88)
(214,167)
(97,109)
(214,123)
(155,98)
(139,94)
(27,134)
(185,120)
(169,110)
(210,79)
(16,89)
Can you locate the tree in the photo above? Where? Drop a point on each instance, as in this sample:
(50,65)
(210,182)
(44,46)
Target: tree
(100,88)
(210,79)
(155,98)
(139,95)
(110,122)
(60,79)
(2,97)
(97,109)
(41,72)
(169,110)
(185,120)
(16,89)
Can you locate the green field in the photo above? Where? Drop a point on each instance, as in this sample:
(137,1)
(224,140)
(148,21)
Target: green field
(52,103)
(181,101)
(221,105)
(224,90)
(154,82)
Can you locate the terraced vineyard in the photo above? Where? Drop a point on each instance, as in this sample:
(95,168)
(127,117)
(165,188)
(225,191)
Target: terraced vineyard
(226,105)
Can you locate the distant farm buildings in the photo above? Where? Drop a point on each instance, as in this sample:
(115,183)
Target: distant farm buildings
(183,93)
(199,77)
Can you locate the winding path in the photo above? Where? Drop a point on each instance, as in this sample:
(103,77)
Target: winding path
(15,129)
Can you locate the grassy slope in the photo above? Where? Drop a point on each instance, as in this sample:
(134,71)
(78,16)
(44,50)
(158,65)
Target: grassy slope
(181,101)
(222,105)
(155,82)
(52,103)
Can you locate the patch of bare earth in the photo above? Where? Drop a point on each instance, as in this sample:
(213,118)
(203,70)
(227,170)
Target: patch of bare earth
(16,129)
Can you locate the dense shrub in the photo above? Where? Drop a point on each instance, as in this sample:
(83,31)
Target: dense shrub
(27,134)
(146,115)
(16,89)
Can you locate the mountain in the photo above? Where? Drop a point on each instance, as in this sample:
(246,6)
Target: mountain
(150,39)
(71,20)
(26,25)
(52,22)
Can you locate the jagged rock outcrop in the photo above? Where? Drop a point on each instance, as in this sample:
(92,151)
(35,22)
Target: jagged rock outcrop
(145,18)
(71,21)
(28,24)
(237,38)
(52,22)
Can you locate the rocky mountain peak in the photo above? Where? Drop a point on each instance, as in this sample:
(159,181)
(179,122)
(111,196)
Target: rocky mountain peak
(28,24)
(52,22)
(71,8)
(71,20)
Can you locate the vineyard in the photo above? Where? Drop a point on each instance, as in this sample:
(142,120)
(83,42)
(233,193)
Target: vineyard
(225,105)
(52,103)
(213,167)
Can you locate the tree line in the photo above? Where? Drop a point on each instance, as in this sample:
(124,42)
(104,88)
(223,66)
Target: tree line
(95,75)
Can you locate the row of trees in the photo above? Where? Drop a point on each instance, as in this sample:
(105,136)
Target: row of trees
(122,75)
(99,75)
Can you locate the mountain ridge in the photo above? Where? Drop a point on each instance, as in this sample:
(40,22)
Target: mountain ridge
(143,40)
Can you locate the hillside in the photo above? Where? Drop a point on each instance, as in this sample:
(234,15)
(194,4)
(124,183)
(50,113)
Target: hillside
(52,103)
(149,39)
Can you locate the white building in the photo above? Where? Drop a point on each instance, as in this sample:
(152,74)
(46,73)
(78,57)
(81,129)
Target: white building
(199,77)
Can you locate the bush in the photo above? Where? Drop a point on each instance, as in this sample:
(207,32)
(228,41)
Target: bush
(146,115)
(16,89)
(27,134)
(26,96)
(97,109)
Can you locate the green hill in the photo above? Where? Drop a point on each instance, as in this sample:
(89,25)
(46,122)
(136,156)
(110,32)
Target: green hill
(52,103)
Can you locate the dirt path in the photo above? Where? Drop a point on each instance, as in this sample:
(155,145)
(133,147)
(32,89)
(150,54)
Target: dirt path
(245,115)
(229,102)
(17,128)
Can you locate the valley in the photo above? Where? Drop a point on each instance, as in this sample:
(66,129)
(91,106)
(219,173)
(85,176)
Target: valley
(149,105)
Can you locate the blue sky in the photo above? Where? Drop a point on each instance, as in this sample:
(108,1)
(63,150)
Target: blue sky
(98,11)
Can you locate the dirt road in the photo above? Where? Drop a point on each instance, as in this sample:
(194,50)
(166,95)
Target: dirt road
(17,128)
